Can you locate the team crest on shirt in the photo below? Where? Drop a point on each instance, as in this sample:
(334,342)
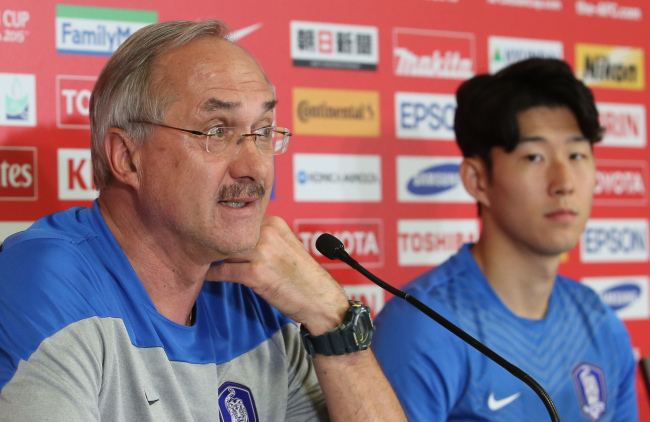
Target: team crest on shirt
(236,403)
(589,381)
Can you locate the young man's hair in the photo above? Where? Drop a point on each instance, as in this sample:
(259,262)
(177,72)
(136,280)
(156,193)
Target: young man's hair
(488,105)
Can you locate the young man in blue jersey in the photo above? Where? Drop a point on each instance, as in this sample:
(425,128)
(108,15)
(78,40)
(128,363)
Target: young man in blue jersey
(526,134)
(105,313)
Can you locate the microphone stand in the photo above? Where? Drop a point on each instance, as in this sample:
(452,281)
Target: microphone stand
(333,249)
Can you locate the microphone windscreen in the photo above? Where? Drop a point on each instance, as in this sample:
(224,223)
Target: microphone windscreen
(329,245)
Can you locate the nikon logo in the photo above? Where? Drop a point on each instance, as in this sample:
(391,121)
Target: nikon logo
(336,112)
(610,67)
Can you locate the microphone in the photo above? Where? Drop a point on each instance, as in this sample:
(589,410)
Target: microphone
(333,248)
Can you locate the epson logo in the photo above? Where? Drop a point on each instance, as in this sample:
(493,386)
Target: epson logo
(621,296)
(434,180)
(615,240)
(307,111)
(433,54)
(425,116)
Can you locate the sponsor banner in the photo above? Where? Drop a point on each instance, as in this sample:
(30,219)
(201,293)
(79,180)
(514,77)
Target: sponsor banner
(7,228)
(621,183)
(363,239)
(75,174)
(73,98)
(551,5)
(370,294)
(97,30)
(430,179)
(425,116)
(424,53)
(431,242)
(504,51)
(334,45)
(331,177)
(18,174)
(608,9)
(17,99)
(625,125)
(13,25)
(336,112)
(605,66)
(628,296)
(614,240)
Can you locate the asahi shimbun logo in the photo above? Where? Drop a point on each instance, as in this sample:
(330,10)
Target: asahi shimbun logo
(334,45)
(18,174)
(431,242)
(424,53)
(621,183)
(430,179)
(97,30)
(628,296)
(363,239)
(17,99)
(505,51)
(605,66)
(335,112)
(615,240)
(625,125)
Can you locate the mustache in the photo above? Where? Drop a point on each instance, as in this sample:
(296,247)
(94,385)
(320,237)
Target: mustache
(238,190)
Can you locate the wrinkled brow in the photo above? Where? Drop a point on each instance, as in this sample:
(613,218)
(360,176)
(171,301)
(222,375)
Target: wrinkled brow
(216,104)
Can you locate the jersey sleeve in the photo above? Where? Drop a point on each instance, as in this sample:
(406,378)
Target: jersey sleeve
(49,370)
(426,365)
(626,400)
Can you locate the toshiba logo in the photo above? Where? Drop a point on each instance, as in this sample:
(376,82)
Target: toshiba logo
(433,54)
(18,174)
(431,242)
(363,239)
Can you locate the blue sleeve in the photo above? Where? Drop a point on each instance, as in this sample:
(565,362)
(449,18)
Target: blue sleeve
(626,401)
(426,365)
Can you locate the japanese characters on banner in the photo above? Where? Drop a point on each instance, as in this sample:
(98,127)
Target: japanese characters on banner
(368,89)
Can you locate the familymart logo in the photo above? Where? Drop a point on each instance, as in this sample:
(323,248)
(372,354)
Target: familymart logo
(97,30)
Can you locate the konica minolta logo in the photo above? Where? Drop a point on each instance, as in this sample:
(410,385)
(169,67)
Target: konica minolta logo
(621,296)
(434,180)
(97,30)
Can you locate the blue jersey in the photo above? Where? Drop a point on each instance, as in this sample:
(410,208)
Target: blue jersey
(580,352)
(80,340)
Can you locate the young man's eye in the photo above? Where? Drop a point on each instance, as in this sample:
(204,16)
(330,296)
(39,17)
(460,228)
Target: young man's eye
(533,157)
(578,156)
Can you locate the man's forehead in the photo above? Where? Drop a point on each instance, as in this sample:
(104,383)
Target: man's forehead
(215,104)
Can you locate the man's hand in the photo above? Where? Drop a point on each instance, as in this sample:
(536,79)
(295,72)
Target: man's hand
(281,271)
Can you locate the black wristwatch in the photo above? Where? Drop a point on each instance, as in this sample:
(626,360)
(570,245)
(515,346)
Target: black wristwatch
(353,334)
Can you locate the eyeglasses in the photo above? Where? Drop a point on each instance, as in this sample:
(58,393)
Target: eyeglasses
(228,141)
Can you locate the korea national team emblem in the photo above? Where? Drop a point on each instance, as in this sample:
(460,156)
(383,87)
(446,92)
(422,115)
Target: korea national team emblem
(589,381)
(236,403)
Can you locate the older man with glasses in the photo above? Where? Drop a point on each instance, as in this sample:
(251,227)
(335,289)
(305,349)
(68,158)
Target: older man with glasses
(105,312)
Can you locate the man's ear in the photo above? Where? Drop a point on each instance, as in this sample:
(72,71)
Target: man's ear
(476,178)
(121,153)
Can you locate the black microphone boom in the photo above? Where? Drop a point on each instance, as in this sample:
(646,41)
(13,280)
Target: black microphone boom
(333,248)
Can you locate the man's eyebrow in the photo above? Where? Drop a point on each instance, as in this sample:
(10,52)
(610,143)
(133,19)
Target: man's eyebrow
(215,104)
(270,105)
(576,138)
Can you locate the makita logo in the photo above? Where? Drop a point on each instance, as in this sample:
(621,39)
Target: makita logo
(308,111)
(75,174)
(433,54)
(425,116)
(430,242)
(434,180)
(362,238)
(18,173)
(625,124)
(73,101)
(97,30)
(615,240)
(621,296)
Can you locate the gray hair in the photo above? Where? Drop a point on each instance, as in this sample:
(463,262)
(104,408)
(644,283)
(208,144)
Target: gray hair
(127,91)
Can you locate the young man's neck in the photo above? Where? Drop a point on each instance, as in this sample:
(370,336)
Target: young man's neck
(522,278)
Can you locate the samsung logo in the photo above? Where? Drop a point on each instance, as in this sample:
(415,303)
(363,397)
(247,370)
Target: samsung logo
(621,296)
(434,180)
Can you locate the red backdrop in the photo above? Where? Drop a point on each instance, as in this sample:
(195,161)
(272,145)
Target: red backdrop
(367,88)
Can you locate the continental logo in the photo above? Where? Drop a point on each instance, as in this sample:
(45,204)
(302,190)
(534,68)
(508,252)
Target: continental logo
(335,112)
(606,66)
